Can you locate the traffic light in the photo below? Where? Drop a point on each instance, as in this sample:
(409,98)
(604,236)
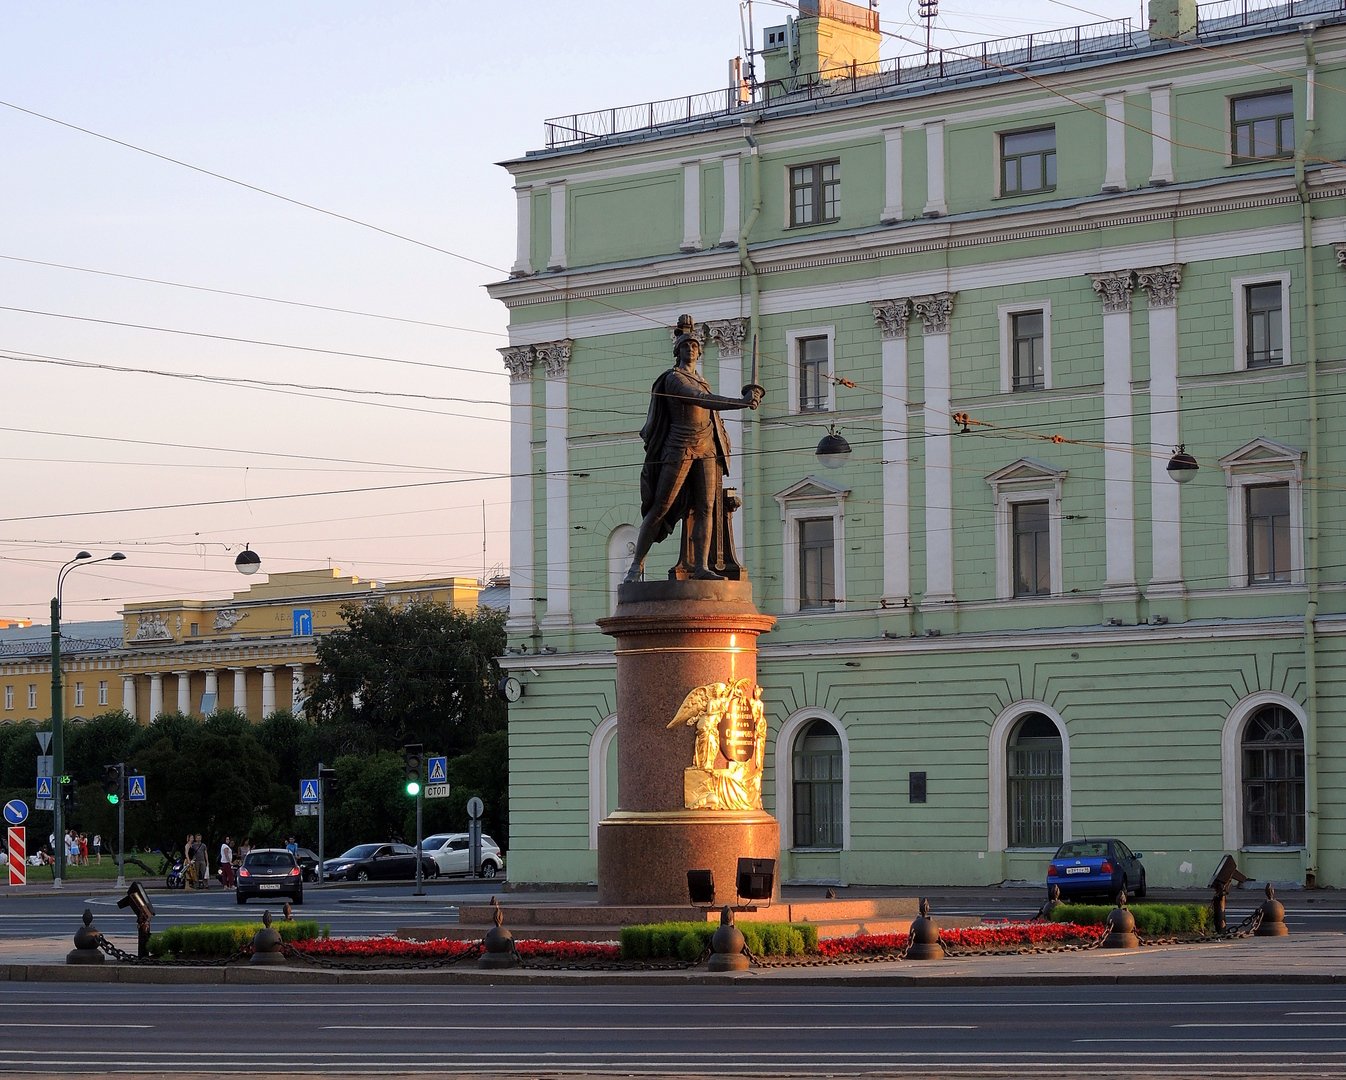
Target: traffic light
(67,796)
(112,783)
(412,756)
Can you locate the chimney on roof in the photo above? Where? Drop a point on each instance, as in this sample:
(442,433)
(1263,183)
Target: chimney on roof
(1173,20)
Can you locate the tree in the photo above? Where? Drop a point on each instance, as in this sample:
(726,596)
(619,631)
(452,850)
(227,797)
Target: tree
(422,673)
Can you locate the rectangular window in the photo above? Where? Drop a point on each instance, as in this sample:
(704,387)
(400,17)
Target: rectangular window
(102,691)
(1263,338)
(1262,127)
(1032,549)
(1268,521)
(9,697)
(816,563)
(813,372)
(1028,161)
(79,694)
(32,695)
(1036,799)
(815,193)
(1028,349)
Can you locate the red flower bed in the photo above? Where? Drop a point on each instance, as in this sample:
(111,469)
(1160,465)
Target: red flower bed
(447,949)
(1008,936)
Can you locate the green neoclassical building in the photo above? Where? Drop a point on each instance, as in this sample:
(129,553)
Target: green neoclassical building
(1075,303)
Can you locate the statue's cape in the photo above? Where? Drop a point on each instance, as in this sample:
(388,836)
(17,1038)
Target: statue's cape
(654,435)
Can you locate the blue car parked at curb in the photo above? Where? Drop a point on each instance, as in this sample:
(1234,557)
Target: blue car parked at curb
(1101,867)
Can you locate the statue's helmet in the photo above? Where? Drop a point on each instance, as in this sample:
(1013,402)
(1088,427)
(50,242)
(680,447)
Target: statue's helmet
(684,332)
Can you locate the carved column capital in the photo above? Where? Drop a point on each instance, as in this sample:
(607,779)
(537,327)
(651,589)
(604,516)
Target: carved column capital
(891,317)
(518,362)
(728,334)
(554,356)
(935,311)
(1340,249)
(1161,283)
(1114,288)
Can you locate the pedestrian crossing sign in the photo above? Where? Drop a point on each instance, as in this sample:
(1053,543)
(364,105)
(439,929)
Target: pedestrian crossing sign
(44,787)
(308,791)
(439,770)
(135,789)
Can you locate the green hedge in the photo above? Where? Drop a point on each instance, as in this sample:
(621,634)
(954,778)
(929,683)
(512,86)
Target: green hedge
(1155,920)
(688,940)
(225,939)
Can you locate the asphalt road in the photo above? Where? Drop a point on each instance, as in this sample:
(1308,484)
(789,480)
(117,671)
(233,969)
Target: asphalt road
(742,1029)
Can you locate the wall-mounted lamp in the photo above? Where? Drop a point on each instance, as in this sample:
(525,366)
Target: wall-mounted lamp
(1182,466)
(833,449)
(248,562)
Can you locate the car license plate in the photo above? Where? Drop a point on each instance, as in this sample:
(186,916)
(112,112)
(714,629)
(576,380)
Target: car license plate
(265,887)
(1069,870)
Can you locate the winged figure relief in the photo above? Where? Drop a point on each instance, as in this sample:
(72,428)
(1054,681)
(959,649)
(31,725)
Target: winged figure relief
(703,709)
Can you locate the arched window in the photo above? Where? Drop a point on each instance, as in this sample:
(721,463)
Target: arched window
(816,772)
(1273,779)
(1035,783)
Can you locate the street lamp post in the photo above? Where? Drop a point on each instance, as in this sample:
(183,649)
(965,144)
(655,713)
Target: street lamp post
(57,742)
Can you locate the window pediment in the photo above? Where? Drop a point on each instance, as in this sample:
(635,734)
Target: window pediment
(1264,455)
(811,489)
(1027,472)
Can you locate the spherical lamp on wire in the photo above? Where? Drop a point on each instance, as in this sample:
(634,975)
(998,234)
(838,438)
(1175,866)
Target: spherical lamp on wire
(1182,466)
(833,450)
(248,562)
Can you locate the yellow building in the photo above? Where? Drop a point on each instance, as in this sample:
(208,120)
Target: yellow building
(251,652)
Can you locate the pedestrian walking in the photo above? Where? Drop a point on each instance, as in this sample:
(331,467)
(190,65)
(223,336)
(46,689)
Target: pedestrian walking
(98,847)
(226,864)
(201,861)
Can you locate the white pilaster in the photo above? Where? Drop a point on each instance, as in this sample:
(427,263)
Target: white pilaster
(728,336)
(522,584)
(156,696)
(936,313)
(1114,289)
(892,175)
(555,359)
(892,316)
(523,235)
(268,690)
(935,204)
(1114,108)
(184,691)
(732,203)
(297,689)
(129,695)
(1161,139)
(240,690)
(1161,285)
(557,259)
(691,206)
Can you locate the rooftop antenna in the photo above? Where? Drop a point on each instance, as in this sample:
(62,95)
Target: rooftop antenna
(929,12)
(746,30)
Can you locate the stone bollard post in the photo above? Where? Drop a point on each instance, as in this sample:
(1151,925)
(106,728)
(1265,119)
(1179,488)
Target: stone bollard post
(1273,917)
(1053,902)
(498,943)
(923,937)
(86,949)
(727,945)
(266,944)
(1121,926)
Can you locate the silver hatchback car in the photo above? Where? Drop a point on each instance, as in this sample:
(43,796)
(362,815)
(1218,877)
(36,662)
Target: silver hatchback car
(452,855)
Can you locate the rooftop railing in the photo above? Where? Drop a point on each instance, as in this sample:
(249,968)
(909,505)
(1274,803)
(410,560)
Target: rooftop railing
(1002,54)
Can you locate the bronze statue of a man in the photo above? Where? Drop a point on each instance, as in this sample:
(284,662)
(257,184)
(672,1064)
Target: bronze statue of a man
(686,454)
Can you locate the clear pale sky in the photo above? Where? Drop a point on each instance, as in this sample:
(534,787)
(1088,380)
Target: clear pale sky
(391,113)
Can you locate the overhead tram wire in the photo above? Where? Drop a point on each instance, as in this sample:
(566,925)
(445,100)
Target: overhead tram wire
(256,296)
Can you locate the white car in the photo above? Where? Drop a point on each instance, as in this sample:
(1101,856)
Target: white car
(452,855)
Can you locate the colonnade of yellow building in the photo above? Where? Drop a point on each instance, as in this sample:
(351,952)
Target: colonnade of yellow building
(252,652)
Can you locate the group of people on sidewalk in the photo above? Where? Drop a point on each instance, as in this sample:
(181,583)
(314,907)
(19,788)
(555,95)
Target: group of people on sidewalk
(76,846)
(197,857)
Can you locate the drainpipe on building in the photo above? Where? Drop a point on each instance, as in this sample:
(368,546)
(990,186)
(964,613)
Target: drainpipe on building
(751,432)
(1313,472)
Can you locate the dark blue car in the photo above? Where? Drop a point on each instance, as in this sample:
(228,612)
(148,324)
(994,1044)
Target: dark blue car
(1096,868)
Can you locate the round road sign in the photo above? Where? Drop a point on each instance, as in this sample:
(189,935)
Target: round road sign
(474,807)
(16,812)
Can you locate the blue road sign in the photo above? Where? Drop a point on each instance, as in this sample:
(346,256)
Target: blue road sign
(135,789)
(44,787)
(16,812)
(308,791)
(439,770)
(303,622)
